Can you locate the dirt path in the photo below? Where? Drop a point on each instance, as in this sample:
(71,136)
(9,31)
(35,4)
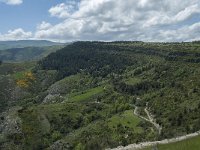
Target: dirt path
(138,115)
(159,128)
(149,119)
(153,121)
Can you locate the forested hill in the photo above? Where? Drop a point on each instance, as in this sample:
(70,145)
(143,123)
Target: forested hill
(98,95)
(95,58)
(164,74)
(104,58)
(27,53)
(26,43)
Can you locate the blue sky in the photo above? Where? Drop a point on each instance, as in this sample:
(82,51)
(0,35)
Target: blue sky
(26,15)
(107,20)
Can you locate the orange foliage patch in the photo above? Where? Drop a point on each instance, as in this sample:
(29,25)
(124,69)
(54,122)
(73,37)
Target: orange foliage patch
(23,83)
(29,76)
(26,81)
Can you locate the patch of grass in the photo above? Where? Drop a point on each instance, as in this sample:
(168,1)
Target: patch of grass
(132,81)
(127,119)
(18,75)
(86,95)
(190,144)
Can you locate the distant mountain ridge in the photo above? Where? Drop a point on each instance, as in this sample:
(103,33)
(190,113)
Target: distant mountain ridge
(27,53)
(26,43)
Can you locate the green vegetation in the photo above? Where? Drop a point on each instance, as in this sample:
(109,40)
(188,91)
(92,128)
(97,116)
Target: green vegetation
(128,119)
(25,43)
(87,57)
(27,53)
(84,95)
(16,69)
(192,144)
(132,80)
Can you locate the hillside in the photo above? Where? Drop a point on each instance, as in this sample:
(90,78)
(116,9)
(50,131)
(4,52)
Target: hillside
(98,95)
(26,43)
(27,53)
(192,143)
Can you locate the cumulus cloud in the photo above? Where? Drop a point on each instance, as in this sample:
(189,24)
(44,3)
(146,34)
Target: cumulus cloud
(12,2)
(17,34)
(44,26)
(63,10)
(186,33)
(148,20)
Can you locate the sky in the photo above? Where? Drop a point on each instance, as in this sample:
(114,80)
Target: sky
(104,20)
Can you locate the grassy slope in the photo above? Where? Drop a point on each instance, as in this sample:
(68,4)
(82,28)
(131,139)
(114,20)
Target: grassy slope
(85,95)
(133,81)
(128,119)
(27,53)
(190,144)
(63,119)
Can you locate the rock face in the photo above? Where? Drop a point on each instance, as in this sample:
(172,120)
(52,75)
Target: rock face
(54,93)
(50,98)
(10,123)
(59,145)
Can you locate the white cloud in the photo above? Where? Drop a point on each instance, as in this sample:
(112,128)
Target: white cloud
(63,10)
(44,26)
(12,2)
(162,19)
(186,33)
(148,20)
(17,34)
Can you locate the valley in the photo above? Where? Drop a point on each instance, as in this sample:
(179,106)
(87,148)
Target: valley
(102,95)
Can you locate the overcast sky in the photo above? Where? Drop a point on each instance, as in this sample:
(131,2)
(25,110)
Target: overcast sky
(108,20)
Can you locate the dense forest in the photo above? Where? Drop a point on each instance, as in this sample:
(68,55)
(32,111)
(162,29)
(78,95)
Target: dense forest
(84,96)
(86,57)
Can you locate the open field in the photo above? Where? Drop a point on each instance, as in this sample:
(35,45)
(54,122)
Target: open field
(189,144)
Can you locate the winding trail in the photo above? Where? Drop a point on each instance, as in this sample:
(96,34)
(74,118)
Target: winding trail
(159,128)
(138,115)
(149,119)
(153,120)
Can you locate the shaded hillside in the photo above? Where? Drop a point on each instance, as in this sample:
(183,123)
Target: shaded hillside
(87,57)
(26,43)
(27,53)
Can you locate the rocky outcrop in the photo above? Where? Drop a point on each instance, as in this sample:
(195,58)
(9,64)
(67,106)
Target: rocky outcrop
(59,145)
(53,98)
(10,123)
